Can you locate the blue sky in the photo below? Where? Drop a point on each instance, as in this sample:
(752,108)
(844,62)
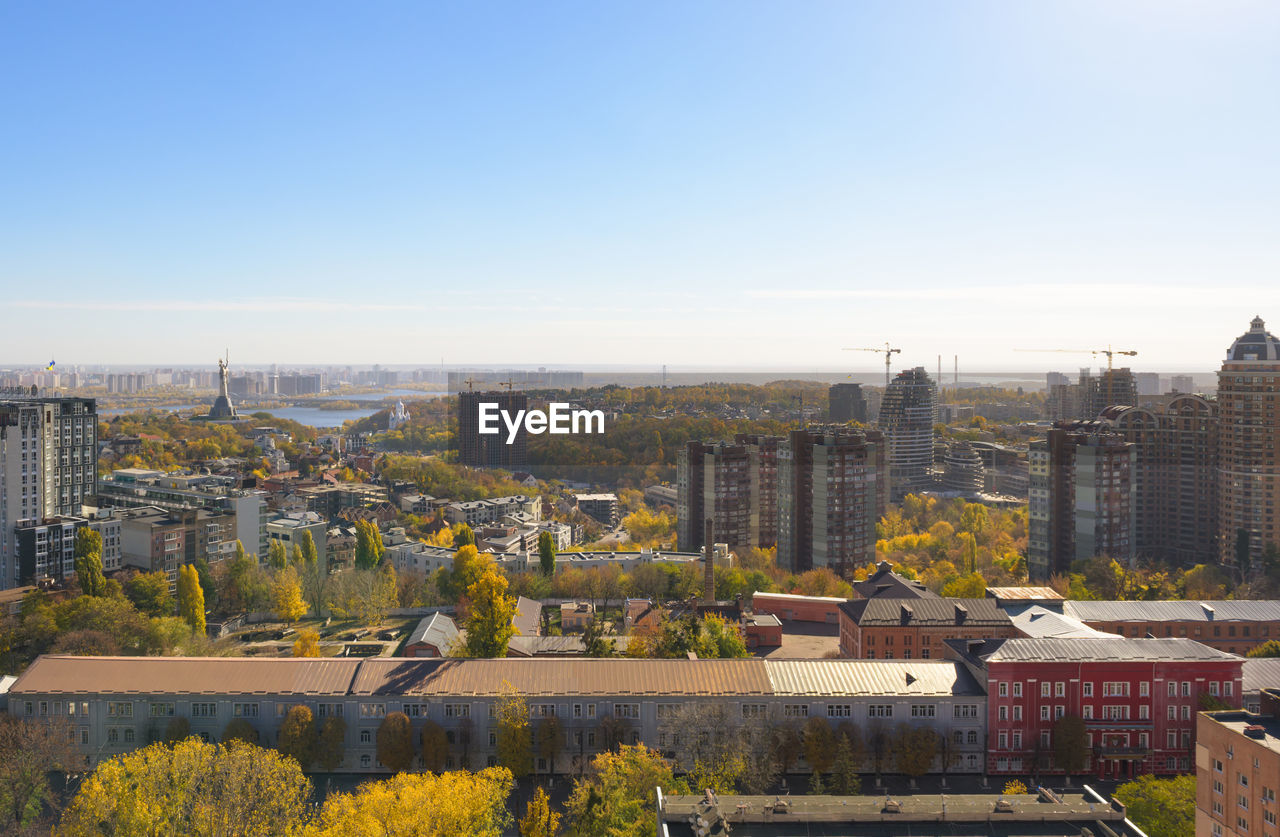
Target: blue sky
(706,183)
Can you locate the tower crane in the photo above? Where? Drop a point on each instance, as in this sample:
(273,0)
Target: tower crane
(1108,351)
(888,355)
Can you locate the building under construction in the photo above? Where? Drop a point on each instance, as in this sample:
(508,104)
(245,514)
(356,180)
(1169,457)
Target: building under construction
(907,416)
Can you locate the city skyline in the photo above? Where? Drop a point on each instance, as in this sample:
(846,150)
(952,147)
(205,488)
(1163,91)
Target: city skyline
(709,186)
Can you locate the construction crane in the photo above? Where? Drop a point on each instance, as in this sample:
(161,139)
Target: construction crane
(471,384)
(1108,351)
(888,355)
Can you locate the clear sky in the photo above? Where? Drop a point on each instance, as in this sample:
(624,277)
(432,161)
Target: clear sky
(692,183)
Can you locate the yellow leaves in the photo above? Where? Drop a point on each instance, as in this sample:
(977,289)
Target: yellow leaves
(424,805)
(307,644)
(286,595)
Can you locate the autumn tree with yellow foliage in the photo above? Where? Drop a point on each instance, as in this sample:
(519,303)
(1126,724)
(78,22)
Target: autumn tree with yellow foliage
(474,804)
(286,595)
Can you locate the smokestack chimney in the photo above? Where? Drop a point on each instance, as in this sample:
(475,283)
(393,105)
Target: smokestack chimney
(709,572)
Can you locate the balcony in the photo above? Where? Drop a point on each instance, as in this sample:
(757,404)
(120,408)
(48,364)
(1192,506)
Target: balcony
(1107,752)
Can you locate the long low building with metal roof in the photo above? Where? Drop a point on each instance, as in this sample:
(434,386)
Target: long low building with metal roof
(1236,626)
(115,704)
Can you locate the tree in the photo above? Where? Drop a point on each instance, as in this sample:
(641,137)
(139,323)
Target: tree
(879,746)
(395,742)
(331,743)
(489,627)
(594,642)
(207,586)
(788,745)
(970,586)
(1270,648)
(515,738)
(548,740)
(618,797)
(178,729)
(298,736)
(192,788)
(286,595)
(295,555)
(29,751)
(468,566)
(1070,744)
(369,548)
(1242,552)
(277,558)
(914,749)
(239,729)
(1161,807)
(463,536)
(149,593)
(309,554)
(819,744)
(538,819)
(307,644)
(846,768)
(435,746)
(88,562)
(474,804)
(547,553)
(191,598)
(613,732)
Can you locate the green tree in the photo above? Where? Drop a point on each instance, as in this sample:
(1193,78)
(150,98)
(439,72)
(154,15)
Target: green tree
(435,746)
(594,642)
(1270,648)
(463,536)
(617,797)
(309,554)
(395,742)
(1070,744)
(191,598)
(489,627)
(970,586)
(178,729)
(819,744)
(149,593)
(191,788)
(88,562)
(846,768)
(207,586)
(31,750)
(369,548)
(515,736)
(277,557)
(331,743)
(297,737)
(547,553)
(1161,807)
(295,555)
(539,820)
(238,729)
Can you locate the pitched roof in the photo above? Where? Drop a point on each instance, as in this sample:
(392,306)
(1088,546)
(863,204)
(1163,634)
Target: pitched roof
(1261,673)
(885,583)
(188,675)
(1242,610)
(437,629)
(1108,650)
(1042,623)
(926,612)
(870,677)
(528,616)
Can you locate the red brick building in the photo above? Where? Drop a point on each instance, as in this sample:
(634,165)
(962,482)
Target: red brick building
(1138,699)
(904,629)
(825,609)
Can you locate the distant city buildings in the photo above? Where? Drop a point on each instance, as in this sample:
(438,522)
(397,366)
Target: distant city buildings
(733,484)
(491,450)
(1182,383)
(846,403)
(603,508)
(907,416)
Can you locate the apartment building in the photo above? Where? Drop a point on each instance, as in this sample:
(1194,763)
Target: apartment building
(1238,771)
(833,488)
(1138,699)
(48,465)
(47,549)
(907,416)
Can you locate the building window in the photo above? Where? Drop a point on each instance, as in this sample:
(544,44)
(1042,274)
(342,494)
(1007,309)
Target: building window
(204,710)
(1173,689)
(795,710)
(162,710)
(753,711)
(965,710)
(1144,689)
(1044,712)
(839,710)
(923,710)
(457,710)
(244,710)
(879,710)
(1044,688)
(626,710)
(1059,689)
(366,736)
(1017,690)
(1087,689)
(1003,689)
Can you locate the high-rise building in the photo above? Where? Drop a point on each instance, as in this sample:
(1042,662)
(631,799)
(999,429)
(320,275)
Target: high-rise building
(846,404)
(1182,383)
(491,450)
(48,466)
(963,469)
(907,415)
(736,485)
(832,490)
(1082,499)
(1111,388)
(1248,411)
(1176,478)
(1147,383)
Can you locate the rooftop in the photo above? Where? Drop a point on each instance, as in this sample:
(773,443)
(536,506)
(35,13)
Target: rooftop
(926,612)
(1263,730)
(1235,610)
(1024,593)
(1041,623)
(1108,650)
(1261,673)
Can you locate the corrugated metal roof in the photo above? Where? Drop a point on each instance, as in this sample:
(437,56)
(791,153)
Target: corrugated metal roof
(1261,673)
(1041,623)
(1167,611)
(187,675)
(926,612)
(1112,649)
(562,676)
(528,616)
(437,629)
(870,677)
(1011,593)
